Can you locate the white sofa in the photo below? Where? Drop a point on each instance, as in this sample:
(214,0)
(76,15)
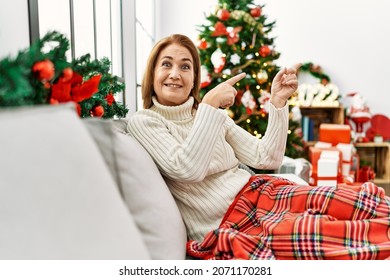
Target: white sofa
(76,188)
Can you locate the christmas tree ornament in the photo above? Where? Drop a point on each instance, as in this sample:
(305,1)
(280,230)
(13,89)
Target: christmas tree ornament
(205,77)
(246,17)
(202,44)
(264,97)
(264,51)
(248,101)
(233,36)
(227,72)
(223,14)
(256,12)
(221,40)
(219,30)
(235,59)
(218,59)
(262,76)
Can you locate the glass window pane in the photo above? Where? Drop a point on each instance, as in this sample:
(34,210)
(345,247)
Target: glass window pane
(144,46)
(145,14)
(51,20)
(116,31)
(103,29)
(83,28)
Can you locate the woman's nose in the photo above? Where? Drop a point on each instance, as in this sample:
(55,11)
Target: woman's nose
(174,74)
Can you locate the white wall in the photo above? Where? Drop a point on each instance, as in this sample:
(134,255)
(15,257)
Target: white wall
(349,39)
(14,27)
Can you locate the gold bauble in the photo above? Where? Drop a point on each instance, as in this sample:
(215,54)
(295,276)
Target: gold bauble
(262,77)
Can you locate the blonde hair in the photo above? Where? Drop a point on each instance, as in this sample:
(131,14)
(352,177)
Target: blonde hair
(147,81)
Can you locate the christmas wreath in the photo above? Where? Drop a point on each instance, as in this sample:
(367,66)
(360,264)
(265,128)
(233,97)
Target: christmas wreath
(315,71)
(41,74)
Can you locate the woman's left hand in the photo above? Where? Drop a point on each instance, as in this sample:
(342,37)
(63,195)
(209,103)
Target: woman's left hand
(284,85)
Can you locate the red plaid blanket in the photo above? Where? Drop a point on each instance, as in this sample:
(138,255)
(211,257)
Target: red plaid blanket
(272,218)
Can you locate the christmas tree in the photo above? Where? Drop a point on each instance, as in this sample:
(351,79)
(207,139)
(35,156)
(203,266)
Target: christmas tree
(41,74)
(236,38)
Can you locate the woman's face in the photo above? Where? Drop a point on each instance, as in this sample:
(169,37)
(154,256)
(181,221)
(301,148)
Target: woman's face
(173,75)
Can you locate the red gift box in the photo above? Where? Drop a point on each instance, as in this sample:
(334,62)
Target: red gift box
(335,133)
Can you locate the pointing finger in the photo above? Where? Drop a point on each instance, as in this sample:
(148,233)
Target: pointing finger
(280,74)
(297,66)
(235,79)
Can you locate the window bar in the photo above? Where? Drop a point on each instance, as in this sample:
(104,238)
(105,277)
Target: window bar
(33,20)
(72,37)
(94,28)
(111,52)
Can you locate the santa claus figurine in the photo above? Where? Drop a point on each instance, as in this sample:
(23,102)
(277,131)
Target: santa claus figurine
(359,113)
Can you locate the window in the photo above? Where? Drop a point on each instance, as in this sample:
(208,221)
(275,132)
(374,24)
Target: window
(145,38)
(121,30)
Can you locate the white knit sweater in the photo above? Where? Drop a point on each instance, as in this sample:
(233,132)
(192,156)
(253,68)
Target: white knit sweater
(198,152)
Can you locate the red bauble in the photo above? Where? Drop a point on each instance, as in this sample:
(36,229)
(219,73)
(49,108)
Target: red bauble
(98,111)
(256,12)
(223,14)
(44,70)
(264,51)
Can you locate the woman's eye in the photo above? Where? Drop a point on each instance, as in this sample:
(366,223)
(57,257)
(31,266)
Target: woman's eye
(186,67)
(165,64)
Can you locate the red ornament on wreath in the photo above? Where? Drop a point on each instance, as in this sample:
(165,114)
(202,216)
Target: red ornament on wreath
(256,12)
(44,70)
(223,14)
(97,111)
(264,51)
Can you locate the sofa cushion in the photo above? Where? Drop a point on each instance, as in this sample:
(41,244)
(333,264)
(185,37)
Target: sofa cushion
(144,190)
(58,199)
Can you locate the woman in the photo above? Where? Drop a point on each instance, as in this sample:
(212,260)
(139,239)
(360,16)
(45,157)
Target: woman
(195,145)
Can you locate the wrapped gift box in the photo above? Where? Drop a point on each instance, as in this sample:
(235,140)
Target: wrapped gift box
(335,133)
(328,168)
(347,152)
(327,165)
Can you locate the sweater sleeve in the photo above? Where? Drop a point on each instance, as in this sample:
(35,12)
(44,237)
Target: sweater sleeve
(268,152)
(184,160)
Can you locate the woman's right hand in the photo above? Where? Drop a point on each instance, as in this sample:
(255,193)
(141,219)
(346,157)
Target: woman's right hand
(223,95)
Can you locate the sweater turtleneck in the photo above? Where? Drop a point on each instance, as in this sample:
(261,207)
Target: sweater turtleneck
(180,112)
